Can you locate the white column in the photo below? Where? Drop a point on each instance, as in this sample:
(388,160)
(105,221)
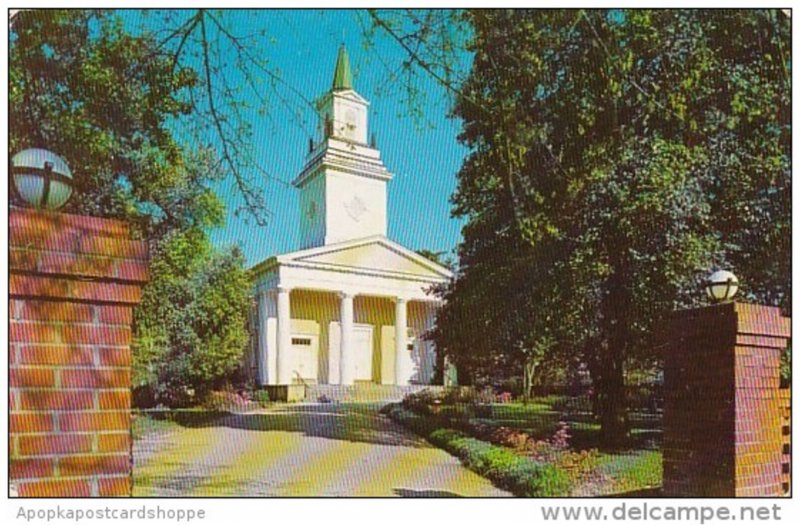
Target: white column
(400,341)
(346,371)
(263,342)
(284,337)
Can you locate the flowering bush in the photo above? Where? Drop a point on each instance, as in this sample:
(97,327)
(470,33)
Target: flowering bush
(504,397)
(520,475)
(560,439)
(223,400)
(579,466)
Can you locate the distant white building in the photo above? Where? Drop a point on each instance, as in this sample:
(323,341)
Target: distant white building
(350,305)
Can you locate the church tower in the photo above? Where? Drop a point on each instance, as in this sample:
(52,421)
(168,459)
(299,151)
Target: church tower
(343,184)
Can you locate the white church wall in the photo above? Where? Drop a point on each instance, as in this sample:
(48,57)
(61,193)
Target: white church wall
(321,279)
(322,308)
(312,213)
(356,207)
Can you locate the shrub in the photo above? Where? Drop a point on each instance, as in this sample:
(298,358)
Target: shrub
(579,466)
(520,475)
(485,396)
(459,396)
(420,402)
(261,397)
(191,326)
(505,397)
(226,400)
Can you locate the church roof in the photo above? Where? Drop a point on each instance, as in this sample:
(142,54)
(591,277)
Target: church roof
(343,76)
(375,255)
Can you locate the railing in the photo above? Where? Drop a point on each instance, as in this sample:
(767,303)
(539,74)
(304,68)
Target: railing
(786,427)
(302,380)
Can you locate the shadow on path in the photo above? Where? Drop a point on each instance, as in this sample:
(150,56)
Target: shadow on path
(359,423)
(425,493)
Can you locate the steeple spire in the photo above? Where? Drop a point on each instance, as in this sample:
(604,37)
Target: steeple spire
(342,77)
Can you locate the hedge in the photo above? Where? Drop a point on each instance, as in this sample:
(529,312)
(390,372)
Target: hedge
(519,475)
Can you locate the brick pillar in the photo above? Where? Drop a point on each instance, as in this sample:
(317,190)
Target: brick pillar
(73,283)
(722,417)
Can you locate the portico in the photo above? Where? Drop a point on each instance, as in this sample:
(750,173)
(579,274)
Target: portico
(348,316)
(351,306)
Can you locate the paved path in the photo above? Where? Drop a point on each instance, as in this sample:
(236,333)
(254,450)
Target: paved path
(300,450)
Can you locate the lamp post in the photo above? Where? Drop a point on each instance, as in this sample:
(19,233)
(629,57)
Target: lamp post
(721,286)
(41,178)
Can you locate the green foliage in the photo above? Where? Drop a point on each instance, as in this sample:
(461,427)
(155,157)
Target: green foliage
(225,401)
(104,99)
(786,366)
(192,323)
(111,102)
(614,160)
(440,258)
(520,475)
(261,397)
(634,471)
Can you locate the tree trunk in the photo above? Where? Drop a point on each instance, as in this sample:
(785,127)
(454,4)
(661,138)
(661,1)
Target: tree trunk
(612,403)
(527,380)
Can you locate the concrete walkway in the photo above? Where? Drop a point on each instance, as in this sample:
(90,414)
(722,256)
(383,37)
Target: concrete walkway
(300,450)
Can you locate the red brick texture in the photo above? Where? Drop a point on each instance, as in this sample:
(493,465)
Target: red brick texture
(722,407)
(73,284)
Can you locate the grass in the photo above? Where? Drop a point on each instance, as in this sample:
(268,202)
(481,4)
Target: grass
(635,471)
(146,422)
(632,468)
(520,475)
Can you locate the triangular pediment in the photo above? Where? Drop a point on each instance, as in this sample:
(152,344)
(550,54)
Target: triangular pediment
(375,254)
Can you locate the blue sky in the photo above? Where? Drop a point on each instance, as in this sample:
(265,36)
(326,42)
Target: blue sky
(423,154)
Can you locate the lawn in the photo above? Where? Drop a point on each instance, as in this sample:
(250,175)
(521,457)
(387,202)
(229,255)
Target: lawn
(168,420)
(633,469)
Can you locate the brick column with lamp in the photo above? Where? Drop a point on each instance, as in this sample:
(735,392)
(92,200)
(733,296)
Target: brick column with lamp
(722,406)
(73,283)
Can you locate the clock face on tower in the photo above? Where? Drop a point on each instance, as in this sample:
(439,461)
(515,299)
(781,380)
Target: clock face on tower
(350,124)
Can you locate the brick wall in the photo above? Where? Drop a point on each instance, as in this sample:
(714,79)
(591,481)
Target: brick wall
(73,283)
(722,416)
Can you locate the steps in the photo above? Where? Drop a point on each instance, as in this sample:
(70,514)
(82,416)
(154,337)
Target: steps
(363,393)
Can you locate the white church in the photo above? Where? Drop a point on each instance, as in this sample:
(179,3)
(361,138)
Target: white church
(350,306)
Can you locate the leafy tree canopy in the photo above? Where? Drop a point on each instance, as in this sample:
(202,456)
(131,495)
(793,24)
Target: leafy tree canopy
(192,322)
(616,157)
(83,87)
(108,101)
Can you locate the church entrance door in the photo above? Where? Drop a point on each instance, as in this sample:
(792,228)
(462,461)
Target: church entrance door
(305,350)
(362,352)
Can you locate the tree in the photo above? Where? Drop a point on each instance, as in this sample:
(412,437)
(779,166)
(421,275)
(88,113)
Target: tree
(192,323)
(80,74)
(616,156)
(108,101)
(440,258)
(81,86)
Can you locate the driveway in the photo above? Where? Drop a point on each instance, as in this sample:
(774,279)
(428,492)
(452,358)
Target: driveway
(300,450)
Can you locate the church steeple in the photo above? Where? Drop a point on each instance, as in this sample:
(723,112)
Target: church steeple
(342,76)
(343,184)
